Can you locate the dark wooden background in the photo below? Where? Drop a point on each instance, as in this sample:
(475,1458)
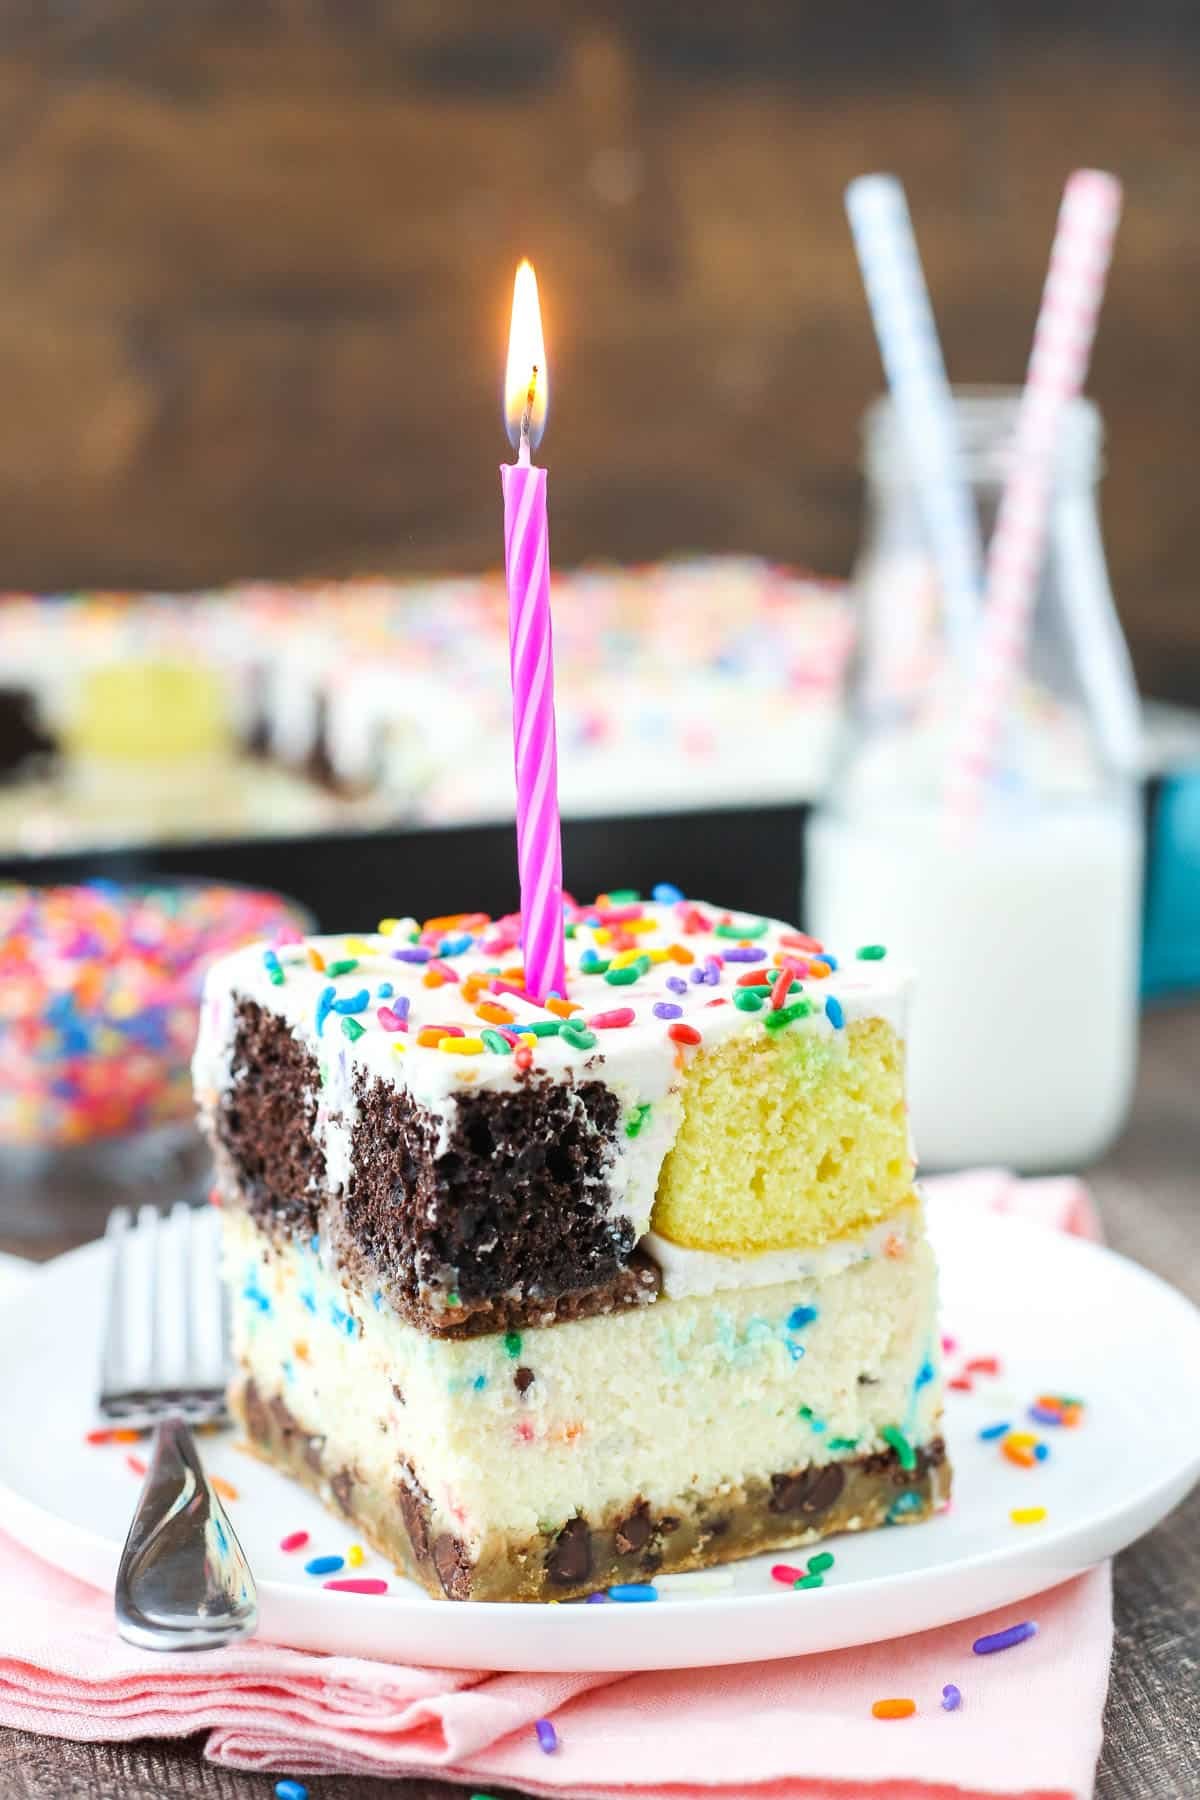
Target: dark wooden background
(255,259)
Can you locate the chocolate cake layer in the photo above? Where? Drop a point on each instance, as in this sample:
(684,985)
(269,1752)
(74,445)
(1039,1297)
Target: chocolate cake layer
(506,1198)
(630,1543)
(636,1285)
(266,1122)
(495,1219)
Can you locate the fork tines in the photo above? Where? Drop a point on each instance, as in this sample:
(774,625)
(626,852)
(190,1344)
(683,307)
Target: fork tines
(165,1340)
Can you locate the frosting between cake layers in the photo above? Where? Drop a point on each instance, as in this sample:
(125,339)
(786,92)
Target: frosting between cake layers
(688,1273)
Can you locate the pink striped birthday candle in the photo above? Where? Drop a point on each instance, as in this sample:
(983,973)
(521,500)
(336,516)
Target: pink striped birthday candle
(1062,344)
(531,649)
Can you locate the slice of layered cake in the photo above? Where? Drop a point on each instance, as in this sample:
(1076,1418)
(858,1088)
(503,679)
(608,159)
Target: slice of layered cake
(548,1298)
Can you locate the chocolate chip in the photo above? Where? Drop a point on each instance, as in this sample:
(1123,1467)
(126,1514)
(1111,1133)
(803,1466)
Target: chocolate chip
(808,1491)
(523,1380)
(453,1567)
(886,1462)
(340,1486)
(868,1381)
(633,1533)
(570,1559)
(396,1389)
(787,1491)
(667,1524)
(314,1450)
(257,1418)
(413,1502)
(283,1416)
(826,1490)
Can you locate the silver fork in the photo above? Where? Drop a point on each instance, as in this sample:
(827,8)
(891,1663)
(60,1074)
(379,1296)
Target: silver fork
(183,1581)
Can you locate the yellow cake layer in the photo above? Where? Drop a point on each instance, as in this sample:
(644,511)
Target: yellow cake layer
(787,1140)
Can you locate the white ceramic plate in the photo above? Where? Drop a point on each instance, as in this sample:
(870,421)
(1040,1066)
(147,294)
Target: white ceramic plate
(1062,1315)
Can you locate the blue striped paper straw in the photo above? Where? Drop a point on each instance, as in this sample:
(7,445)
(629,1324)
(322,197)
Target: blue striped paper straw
(912,361)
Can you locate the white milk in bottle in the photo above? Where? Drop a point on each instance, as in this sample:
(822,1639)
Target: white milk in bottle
(1023,1037)
(1023,926)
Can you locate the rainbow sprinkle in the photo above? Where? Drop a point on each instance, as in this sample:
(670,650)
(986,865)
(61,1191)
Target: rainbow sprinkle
(891,1434)
(100,992)
(1005,1640)
(669,967)
(324,1565)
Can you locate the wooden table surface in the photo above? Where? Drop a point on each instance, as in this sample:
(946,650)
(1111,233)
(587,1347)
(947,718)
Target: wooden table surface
(1149,1194)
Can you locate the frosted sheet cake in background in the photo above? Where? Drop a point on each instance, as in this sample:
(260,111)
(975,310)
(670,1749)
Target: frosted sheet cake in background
(548,1298)
(330,705)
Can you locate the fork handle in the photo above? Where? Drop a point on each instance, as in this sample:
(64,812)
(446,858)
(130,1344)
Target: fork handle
(183,1581)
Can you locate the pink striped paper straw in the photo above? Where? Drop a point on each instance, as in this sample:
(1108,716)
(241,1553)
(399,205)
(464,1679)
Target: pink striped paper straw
(1062,344)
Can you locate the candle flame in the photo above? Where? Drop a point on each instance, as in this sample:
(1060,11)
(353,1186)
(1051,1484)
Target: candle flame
(526,383)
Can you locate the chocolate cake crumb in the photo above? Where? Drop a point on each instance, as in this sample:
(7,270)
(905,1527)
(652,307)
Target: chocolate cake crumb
(570,1557)
(506,1196)
(266,1121)
(523,1379)
(636,1285)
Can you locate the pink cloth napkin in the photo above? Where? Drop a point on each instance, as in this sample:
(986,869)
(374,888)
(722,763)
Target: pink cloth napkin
(802,1729)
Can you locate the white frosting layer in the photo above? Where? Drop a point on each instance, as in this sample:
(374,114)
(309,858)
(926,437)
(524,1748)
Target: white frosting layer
(687,1272)
(696,952)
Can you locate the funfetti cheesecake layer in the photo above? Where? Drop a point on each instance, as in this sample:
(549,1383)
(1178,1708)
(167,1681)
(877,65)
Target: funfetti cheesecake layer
(487,1163)
(547,1462)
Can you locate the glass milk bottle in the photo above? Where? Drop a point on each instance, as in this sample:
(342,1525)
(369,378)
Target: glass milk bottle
(1024,929)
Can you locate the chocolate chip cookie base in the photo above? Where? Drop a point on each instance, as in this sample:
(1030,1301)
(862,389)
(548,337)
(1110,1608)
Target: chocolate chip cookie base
(631,1542)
